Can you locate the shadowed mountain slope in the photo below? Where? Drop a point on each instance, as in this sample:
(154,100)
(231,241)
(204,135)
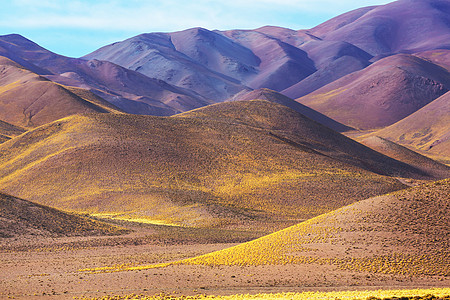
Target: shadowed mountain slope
(426,130)
(325,52)
(244,163)
(406,155)
(439,57)
(382,94)
(23,218)
(333,71)
(298,130)
(216,52)
(332,59)
(272,96)
(406,233)
(25,52)
(219,59)
(197,67)
(8,131)
(29,100)
(281,64)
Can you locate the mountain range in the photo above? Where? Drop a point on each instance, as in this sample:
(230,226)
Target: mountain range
(332,140)
(229,93)
(246,161)
(365,69)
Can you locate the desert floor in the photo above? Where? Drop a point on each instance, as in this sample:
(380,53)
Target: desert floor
(44,268)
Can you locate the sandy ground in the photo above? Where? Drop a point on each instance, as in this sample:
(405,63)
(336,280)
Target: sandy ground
(44,273)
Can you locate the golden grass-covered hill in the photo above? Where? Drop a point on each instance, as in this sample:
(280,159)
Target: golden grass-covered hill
(406,232)
(235,163)
(30,100)
(19,217)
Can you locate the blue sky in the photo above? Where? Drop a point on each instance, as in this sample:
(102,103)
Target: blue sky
(78,27)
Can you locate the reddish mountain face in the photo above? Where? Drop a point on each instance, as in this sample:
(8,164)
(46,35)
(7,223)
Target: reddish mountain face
(219,64)
(30,100)
(131,91)
(382,94)
(426,130)
(217,60)
(339,68)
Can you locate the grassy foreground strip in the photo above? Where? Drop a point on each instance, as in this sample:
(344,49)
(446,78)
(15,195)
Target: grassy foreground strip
(416,294)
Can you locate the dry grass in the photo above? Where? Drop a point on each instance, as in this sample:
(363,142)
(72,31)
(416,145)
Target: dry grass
(193,171)
(20,217)
(8,131)
(412,294)
(404,233)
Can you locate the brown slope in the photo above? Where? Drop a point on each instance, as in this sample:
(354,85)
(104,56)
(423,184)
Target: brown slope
(272,96)
(3,138)
(249,163)
(406,155)
(9,130)
(29,100)
(403,233)
(19,217)
(296,129)
(381,94)
(426,130)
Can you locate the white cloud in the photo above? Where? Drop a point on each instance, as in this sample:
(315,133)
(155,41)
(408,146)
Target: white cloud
(166,15)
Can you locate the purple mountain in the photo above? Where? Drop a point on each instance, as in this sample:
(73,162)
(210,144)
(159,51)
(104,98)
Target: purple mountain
(381,94)
(400,26)
(131,91)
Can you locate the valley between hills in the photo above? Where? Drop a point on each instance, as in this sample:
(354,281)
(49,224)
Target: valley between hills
(267,163)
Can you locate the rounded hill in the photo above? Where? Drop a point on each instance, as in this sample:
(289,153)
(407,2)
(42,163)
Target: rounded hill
(236,163)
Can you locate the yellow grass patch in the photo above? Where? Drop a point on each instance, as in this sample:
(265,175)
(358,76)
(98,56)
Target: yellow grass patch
(381,294)
(10,86)
(119,216)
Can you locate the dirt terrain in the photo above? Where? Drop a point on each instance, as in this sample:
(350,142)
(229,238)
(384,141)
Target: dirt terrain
(375,243)
(53,272)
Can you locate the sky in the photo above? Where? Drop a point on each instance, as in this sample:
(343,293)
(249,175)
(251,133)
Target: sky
(77,27)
